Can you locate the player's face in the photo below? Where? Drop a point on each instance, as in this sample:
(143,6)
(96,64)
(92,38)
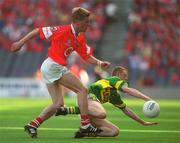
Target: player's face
(83,25)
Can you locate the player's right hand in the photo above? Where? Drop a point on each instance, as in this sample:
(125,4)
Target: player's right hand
(16,46)
(105,65)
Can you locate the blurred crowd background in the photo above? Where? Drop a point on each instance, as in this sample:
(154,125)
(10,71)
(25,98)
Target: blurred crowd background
(151,49)
(152,42)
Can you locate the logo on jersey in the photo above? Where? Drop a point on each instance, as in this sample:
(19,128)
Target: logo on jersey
(54,28)
(68,51)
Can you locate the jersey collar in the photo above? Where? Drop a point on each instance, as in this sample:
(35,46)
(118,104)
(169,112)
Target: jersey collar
(73,31)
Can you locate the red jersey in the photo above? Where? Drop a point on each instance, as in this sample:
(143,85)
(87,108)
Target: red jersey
(64,42)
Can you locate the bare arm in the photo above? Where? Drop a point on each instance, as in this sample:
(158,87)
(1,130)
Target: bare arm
(16,46)
(135,117)
(135,92)
(94,61)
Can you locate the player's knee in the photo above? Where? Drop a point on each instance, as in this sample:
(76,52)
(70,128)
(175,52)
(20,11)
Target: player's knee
(82,90)
(115,132)
(102,115)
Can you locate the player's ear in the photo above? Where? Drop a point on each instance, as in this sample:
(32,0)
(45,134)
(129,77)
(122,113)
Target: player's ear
(116,71)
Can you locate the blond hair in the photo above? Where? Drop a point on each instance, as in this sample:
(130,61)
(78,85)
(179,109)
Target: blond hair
(119,69)
(79,13)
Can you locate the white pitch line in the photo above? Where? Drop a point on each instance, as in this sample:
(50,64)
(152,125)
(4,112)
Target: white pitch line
(46,129)
(73,129)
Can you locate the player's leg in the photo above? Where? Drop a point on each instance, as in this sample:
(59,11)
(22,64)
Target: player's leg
(70,81)
(51,73)
(98,119)
(55,91)
(96,109)
(108,128)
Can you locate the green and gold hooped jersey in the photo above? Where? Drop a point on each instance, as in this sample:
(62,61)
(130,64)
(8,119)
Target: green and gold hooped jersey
(106,90)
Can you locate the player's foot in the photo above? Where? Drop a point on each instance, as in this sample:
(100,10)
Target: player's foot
(32,132)
(61,111)
(88,132)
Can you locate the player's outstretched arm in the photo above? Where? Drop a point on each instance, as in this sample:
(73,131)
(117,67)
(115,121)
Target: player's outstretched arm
(16,46)
(135,92)
(135,117)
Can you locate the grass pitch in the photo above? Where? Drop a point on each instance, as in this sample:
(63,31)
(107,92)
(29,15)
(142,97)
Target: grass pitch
(16,112)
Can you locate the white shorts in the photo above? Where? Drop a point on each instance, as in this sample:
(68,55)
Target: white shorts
(52,71)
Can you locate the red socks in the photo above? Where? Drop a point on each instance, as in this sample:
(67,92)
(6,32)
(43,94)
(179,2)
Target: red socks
(36,122)
(85,121)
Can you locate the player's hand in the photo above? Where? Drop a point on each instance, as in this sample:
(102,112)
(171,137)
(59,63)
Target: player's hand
(149,123)
(105,65)
(16,46)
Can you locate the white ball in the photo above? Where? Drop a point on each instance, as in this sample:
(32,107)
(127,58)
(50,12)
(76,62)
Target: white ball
(151,109)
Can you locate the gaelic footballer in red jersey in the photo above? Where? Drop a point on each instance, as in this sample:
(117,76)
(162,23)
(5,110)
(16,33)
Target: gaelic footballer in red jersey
(64,40)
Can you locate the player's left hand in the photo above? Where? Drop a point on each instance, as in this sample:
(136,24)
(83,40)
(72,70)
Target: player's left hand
(16,46)
(149,123)
(105,65)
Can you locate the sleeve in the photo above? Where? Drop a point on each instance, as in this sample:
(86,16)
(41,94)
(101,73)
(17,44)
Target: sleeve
(84,50)
(119,84)
(120,106)
(48,32)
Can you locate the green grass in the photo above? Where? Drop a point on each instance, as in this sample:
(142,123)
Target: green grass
(16,112)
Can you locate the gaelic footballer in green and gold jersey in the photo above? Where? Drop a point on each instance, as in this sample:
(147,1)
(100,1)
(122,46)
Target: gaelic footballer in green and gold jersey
(108,90)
